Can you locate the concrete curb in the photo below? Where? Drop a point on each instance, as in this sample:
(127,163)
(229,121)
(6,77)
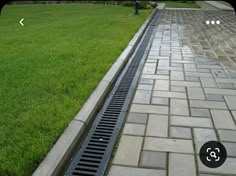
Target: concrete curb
(60,153)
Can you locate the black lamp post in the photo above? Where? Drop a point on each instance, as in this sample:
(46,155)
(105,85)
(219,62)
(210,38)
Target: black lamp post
(136,7)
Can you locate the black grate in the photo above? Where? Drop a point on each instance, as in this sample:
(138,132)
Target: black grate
(95,152)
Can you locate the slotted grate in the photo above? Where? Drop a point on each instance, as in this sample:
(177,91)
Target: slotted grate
(93,156)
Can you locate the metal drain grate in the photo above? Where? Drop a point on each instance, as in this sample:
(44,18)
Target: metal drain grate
(95,152)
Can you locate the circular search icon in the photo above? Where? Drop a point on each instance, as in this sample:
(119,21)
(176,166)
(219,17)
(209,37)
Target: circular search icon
(213,154)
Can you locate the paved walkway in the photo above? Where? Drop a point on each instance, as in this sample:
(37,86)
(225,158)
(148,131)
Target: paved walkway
(186,96)
(220,5)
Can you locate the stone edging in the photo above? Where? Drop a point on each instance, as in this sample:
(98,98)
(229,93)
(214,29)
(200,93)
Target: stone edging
(60,153)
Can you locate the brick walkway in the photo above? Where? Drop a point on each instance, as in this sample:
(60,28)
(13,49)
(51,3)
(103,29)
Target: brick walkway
(186,96)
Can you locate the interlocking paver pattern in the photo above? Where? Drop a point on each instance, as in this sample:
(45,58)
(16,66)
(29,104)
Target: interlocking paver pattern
(186,96)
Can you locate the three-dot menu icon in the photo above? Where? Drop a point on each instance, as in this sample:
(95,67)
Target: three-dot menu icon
(212,22)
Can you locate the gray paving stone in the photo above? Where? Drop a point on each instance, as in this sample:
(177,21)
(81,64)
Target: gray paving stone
(185,83)
(182,164)
(230,148)
(134,129)
(196,93)
(132,171)
(214,97)
(225,80)
(177,75)
(201,136)
(161,85)
(152,76)
(234,115)
(226,85)
(200,112)
(205,75)
(219,74)
(190,78)
(149,68)
(220,91)
(152,109)
(157,126)
(180,132)
(171,68)
(179,107)
(162,72)
(168,145)
(183,61)
(137,118)
(203,70)
(142,96)
(190,67)
(150,159)
(229,167)
(191,121)
(222,119)
(178,89)
(208,82)
(176,65)
(209,175)
(209,66)
(231,102)
(144,87)
(207,104)
(128,151)
(146,81)
(160,101)
(163,63)
(167,94)
(227,135)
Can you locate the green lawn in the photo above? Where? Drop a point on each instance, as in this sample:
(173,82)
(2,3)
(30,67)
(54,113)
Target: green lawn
(181,4)
(49,68)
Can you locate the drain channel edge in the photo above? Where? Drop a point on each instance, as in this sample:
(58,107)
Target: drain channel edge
(94,154)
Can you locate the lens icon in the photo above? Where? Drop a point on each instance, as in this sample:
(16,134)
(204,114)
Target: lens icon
(213,154)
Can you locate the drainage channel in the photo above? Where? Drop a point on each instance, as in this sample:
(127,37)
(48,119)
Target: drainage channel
(95,152)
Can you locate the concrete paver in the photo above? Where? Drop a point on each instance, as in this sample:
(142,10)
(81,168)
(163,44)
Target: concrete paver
(134,129)
(228,168)
(179,168)
(231,102)
(223,119)
(185,97)
(150,159)
(202,136)
(200,112)
(152,109)
(227,135)
(157,126)
(195,93)
(168,145)
(160,101)
(180,132)
(131,171)
(128,151)
(137,118)
(179,107)
(190,121)
(142,96)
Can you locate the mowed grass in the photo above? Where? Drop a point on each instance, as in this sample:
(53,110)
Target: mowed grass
(48,69)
